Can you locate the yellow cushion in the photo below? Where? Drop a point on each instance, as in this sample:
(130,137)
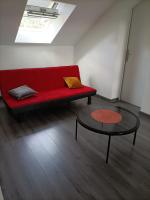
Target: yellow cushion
(73,82)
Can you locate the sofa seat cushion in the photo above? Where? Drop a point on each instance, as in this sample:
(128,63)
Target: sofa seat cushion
(45,96)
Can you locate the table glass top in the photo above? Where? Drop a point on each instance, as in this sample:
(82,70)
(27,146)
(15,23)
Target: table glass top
(108,120)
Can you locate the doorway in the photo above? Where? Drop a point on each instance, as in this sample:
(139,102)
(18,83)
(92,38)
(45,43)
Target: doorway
(138,57)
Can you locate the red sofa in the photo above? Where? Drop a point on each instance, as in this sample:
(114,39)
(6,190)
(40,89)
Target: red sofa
(47,81)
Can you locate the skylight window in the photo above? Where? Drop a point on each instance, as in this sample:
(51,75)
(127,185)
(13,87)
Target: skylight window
(34,23)
(42,20)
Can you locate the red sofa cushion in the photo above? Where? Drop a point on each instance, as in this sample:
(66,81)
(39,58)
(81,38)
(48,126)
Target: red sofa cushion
(49,95)
(40,79)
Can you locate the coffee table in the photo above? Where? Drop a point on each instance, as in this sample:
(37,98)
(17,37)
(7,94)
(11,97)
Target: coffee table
(108,120)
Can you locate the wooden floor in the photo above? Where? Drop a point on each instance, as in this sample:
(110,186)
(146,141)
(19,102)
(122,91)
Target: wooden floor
(40,160)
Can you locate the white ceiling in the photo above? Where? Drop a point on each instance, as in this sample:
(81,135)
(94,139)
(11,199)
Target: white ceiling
(84,16)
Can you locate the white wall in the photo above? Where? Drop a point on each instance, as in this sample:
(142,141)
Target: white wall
(22,56)
(145,55)
(146,91)
(138,64)
(100,54)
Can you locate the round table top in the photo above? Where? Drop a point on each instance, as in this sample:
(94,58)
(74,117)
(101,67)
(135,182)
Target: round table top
(108,120)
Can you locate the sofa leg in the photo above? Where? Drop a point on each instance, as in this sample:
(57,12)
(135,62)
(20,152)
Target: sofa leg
(89,100)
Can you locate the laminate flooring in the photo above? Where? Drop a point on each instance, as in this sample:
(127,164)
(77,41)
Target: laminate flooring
(40,159)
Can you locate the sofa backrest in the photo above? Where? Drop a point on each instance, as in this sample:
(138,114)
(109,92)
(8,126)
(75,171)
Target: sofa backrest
(40,79)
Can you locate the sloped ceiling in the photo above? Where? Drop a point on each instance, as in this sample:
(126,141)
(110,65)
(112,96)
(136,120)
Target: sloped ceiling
(11,12)
(84,16)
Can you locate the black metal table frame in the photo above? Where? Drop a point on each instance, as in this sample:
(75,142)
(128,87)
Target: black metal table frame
(134,131)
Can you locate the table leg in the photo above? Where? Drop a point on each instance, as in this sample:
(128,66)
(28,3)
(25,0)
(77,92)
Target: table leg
(89,100)
(134,137)
(108,148)
(76,133)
